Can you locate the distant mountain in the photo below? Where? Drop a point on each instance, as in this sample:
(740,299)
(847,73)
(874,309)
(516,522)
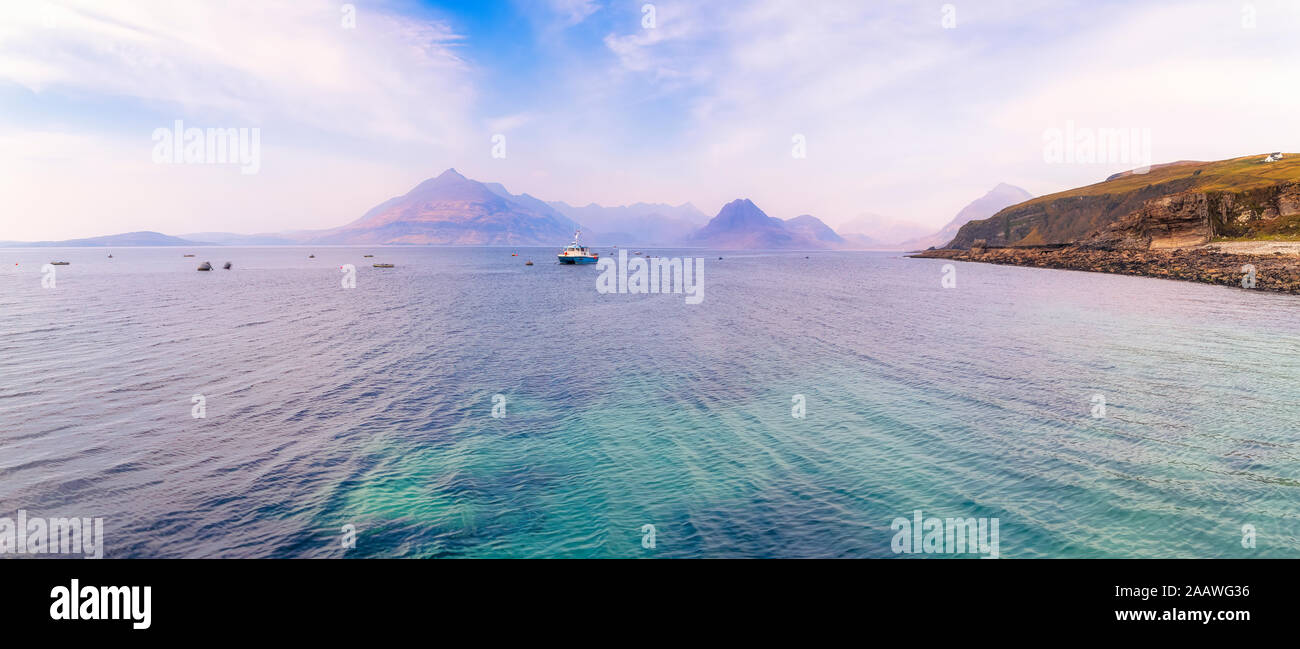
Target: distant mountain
(740,224)
(452,209)
(864,242)
(527,200)
(889,232)
(231,239)
(994,201)
(639,223)
(813,228)
(125,240)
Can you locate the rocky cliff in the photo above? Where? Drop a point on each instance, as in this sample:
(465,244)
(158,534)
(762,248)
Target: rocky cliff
(1172,206)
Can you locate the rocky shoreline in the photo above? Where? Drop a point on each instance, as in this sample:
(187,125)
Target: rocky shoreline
(1278,271)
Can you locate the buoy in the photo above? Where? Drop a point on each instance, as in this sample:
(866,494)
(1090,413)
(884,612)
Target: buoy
(528,263)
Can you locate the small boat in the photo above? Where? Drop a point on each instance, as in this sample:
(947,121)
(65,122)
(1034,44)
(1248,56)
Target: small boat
(383,265)
(528,263)
(227,266)
(367,255)
(205,266)
(60,263)
(311,256)
(576,253)
(514,254)
(187,255)
(110,255)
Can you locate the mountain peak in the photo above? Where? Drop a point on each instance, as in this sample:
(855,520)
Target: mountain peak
(1005,189)
(741,224)
(740,202)
(449,179)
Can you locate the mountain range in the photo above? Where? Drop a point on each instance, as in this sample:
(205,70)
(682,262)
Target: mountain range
(451,209)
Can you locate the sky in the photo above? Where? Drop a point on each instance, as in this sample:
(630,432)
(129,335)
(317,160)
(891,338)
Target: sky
(904,111)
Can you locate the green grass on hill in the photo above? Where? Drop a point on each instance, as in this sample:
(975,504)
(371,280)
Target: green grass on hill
(1235,175)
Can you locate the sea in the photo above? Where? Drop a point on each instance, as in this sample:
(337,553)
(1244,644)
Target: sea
(464,404)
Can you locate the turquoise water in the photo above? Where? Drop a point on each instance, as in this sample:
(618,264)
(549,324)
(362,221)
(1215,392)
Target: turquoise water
(373,406)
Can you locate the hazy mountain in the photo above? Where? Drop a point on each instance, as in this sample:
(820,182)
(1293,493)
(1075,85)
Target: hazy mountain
(994,201)
(125,240)
(887,231)
(740,224)
(231,239)
(639,223)
(863,242)
(813,228)
(452,209)
(527,200)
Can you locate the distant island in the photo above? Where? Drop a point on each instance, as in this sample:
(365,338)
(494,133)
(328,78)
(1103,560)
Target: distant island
(1228,222)
(451,209)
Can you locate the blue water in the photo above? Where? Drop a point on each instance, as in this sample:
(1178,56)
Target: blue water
(373,406)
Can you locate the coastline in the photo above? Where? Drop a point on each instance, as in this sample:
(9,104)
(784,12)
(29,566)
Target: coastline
(1276,263)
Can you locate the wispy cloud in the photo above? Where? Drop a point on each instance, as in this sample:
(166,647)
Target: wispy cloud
(572,12)
(249,60)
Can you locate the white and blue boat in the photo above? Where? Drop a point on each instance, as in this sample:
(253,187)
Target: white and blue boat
(576,253)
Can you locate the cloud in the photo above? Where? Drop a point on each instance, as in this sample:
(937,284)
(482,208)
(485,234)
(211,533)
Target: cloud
(572,12)
(348,116)
(905,117)
(251,62)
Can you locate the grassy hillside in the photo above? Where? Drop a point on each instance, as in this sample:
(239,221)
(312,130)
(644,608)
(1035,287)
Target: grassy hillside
(1231,186)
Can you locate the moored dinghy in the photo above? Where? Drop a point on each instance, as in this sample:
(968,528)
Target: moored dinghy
(205,266)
